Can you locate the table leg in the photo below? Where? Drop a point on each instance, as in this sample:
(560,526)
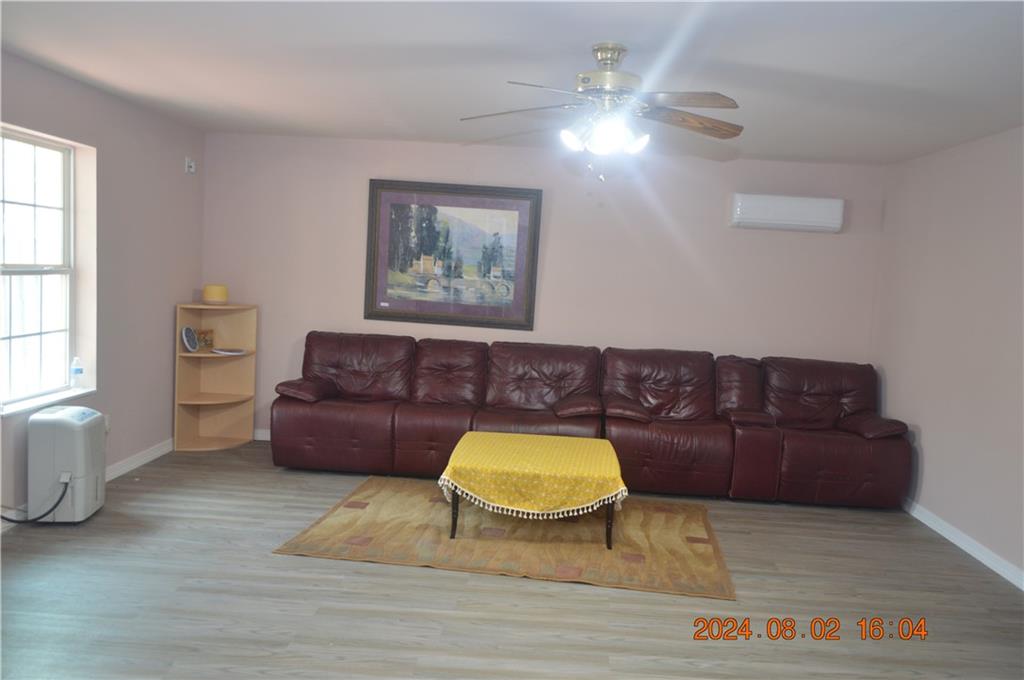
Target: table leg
(609,518)
(455,513)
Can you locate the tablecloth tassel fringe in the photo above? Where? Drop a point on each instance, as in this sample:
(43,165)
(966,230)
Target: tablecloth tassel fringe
(448,487)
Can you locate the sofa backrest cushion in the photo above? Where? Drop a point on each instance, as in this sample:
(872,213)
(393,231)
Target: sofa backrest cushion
(364,367)
(738,384)
(449,372)
(813,395)
(669,383)
(533,376)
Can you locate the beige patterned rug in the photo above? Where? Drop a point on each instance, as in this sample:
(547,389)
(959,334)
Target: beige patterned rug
(659,545)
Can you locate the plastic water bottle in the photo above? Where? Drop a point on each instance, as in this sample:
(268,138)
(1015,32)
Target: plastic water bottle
(76,371)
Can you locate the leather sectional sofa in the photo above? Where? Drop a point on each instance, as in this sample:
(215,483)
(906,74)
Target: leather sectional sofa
(681,422)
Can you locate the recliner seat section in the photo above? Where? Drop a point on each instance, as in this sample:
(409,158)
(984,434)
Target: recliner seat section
(808,431)
(672,442)
(528,383)
(340,414)
(836,450)
(682,422)
(448,384)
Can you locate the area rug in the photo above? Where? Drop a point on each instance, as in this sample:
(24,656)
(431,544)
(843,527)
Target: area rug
(659,545)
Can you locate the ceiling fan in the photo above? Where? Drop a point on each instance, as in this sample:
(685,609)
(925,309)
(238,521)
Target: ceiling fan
(607,98)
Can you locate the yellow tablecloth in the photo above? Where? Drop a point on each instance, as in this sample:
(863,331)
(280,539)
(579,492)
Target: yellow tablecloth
(534,476)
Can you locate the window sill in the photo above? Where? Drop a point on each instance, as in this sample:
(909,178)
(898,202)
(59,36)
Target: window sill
(36,403)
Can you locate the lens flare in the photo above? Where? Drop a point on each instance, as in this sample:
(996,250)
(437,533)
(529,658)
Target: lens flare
(610,135)
(603,136)
(638,144)
(571,140)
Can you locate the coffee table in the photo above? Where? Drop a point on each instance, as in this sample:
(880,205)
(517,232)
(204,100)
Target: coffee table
(534,476)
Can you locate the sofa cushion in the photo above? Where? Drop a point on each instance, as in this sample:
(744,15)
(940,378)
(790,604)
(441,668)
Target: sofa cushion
(535,422)
(576,405)
(838,468)
(814,395)
(534,376)
(673,456)
(334,434)
(425,435)
(449,372)
(363,367)
(738,384)
(669,383)
(623,407)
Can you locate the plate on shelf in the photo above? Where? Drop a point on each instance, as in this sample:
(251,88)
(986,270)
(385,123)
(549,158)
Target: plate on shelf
(229,351)
(189,337)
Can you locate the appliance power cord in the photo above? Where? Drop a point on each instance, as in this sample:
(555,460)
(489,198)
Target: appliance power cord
(63,492)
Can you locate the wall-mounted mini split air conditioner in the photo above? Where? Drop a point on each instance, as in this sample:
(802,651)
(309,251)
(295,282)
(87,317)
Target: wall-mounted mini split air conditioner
(761,211)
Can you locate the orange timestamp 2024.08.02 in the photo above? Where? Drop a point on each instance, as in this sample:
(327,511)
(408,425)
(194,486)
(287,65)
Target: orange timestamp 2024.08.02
(819,628)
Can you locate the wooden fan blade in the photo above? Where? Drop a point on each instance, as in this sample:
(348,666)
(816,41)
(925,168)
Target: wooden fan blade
(543,87)
(693,100)
(532,108)
(691,121)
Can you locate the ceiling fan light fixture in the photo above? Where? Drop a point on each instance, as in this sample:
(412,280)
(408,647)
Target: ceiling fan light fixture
(572,139)
(612,98)
(609,135)
(604,135)
(638,144)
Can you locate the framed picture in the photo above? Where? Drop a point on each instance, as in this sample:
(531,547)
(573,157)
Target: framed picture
(452,254)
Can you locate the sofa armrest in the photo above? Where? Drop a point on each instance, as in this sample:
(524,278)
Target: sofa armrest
(623,407)
(872,426)
(307,390)
(577,405)
(738,418)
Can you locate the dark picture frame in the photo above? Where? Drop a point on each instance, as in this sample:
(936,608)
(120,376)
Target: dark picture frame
(455,254)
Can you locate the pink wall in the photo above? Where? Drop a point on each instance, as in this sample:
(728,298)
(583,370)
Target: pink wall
(949,339)
(932,294)
(149,216)
(642,260)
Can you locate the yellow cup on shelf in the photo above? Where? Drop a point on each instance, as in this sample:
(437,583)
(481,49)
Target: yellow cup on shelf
(215,294)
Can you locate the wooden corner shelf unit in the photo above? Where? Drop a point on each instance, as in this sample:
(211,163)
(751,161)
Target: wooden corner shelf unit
(213,393)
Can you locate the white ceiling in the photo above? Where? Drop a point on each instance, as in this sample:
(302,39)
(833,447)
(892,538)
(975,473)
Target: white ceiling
(858,82)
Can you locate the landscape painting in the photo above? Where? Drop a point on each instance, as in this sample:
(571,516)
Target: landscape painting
(452,254)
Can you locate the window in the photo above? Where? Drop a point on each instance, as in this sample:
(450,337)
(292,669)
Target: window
(36,266)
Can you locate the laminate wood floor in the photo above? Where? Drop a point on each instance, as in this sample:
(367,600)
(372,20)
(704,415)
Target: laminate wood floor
(175,579)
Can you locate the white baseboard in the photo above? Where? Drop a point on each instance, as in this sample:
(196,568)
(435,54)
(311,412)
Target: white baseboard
(261,435)
(1001,566)
(20,512)
(115,470)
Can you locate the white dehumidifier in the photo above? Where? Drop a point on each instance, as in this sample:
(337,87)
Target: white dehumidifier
(66,442)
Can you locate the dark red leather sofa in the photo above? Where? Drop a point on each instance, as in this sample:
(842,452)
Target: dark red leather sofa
(681,422)
(808,431)
(387,404)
